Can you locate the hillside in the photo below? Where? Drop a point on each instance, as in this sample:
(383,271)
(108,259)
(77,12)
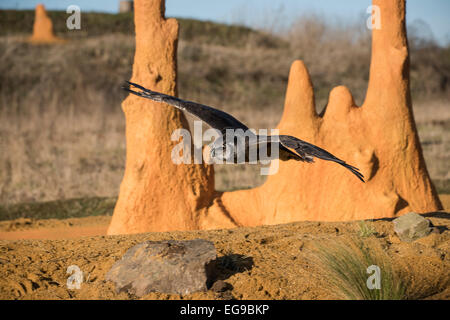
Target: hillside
(13,22)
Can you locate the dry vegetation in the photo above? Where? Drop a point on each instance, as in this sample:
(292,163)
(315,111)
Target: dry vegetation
(62,128)
(345,263)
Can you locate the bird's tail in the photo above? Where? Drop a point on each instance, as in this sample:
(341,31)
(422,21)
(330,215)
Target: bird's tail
(353,169)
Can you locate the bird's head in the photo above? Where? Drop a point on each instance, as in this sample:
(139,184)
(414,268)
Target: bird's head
(224,152)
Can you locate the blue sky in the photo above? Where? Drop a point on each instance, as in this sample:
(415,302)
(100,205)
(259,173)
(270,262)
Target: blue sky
(256,12)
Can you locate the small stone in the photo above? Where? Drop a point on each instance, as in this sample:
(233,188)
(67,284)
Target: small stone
(180,267)
(411,226)
(220,286)
(393,239)
(435,230)
(430,241)
(227,295)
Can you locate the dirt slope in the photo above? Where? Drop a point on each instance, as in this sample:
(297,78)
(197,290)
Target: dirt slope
(277,258)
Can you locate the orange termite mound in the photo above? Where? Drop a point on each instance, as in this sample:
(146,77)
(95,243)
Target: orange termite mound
(156,194)
(43,27)
(379,137)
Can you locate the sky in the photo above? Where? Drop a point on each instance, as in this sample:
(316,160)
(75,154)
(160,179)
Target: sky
(274,13)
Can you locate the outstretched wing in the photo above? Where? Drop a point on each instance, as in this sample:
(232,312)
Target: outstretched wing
(308,151)
(215,118)
(266,141)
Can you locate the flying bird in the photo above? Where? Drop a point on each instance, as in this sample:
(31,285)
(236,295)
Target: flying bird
(289,147)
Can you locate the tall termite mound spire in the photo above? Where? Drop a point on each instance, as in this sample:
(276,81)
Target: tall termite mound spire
(156,194)
(380,138)
(43,27)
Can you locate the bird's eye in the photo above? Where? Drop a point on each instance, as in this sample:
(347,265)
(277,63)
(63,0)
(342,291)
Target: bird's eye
(229,149)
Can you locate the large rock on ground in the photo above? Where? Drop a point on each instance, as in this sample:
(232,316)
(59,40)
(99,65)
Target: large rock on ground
(170,266)
(411,226)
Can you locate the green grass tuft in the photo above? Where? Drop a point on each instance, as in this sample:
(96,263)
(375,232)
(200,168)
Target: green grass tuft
(345,266)
(366,229)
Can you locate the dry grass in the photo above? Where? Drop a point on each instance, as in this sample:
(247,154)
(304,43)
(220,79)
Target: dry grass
(62,128)
(433,124)
(366,229)
(58,156)
(345,266)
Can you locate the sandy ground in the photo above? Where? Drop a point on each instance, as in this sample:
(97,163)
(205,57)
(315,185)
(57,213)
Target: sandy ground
(279,260)
(51,229)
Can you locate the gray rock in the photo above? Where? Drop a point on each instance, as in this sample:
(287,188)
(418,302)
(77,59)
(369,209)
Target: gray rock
(169,266)
(411,226)
(220,286)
